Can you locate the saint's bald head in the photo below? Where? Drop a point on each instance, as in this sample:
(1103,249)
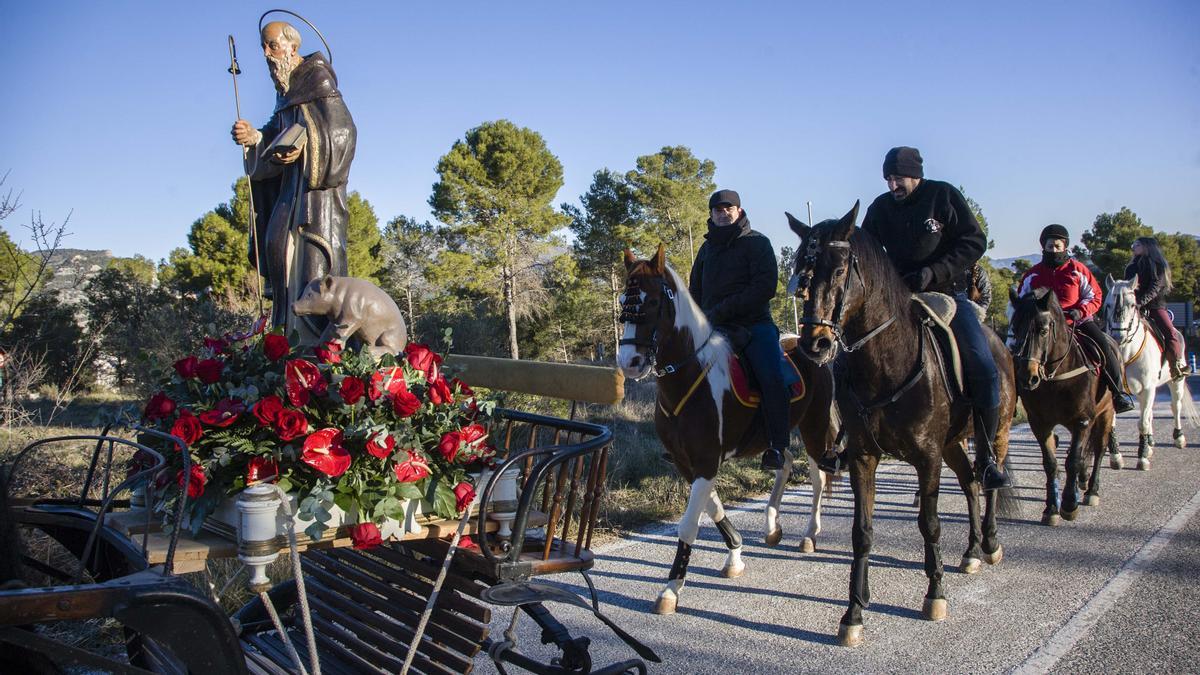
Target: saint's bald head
(281,47)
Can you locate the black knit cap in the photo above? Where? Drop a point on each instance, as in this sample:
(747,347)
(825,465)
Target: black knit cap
(903,161)
(724,197)
(1054,231)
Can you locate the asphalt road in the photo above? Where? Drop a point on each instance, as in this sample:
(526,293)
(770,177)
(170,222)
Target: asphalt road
(1117,590)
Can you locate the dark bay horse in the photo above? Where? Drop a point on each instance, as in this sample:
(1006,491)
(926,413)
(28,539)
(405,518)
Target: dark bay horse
(860,317)
(698,414)
(1058,385)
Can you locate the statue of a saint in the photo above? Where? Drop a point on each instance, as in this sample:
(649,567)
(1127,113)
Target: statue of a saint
(298,166)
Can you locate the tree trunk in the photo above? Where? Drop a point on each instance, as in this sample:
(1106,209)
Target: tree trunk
(510,307)
(616,311)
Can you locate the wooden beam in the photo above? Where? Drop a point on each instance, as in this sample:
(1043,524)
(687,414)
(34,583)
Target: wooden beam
(589,384)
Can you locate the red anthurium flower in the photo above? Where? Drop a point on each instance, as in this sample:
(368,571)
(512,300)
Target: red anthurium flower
(365,535)
(351,389)
(473,434)
(187,427)
(323,451)
(448,446)
(267,409)
(302,379)
(462,387)
(276,346)
(329,352)
(186,367)
(160,407)
(439,391)
(464,494)
(215,345)
(412,469)
(423,359)
(405,403)
(226,413)
(195,481)
(381,445)
(388,381)
(290,424)
(209,370)
(261,469)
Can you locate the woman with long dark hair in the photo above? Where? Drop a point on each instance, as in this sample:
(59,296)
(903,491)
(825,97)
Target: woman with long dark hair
(1153,283)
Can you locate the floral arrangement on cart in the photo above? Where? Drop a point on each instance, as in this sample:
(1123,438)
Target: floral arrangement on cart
(353,440)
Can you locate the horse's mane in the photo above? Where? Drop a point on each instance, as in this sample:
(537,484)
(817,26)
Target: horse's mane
(688,315)
(877,266)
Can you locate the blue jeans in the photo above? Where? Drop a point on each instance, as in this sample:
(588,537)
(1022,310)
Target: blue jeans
(980,366)
(766,360)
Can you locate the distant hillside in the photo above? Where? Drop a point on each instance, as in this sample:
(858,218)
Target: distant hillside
(72,268)
(1002,263)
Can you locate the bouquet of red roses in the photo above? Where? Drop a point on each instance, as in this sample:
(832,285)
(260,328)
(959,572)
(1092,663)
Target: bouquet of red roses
(331,426)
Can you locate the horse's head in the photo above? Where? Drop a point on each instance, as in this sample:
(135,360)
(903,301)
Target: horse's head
(647,310)
(823,280)
(1120,307)
(1039,330)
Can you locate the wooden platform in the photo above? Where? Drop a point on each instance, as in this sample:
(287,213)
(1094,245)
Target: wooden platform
(219,541)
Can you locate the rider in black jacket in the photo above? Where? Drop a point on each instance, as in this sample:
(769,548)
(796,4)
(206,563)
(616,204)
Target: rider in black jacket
(733,280)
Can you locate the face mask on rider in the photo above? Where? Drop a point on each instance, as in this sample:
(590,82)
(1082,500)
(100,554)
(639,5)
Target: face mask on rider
(1055,259)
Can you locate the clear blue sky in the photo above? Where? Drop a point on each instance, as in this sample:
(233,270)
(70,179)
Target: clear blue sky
(1044,111)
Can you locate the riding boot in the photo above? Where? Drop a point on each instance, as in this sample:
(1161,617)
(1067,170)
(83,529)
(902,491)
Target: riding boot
(772,459)
(990,474)
(1123,401)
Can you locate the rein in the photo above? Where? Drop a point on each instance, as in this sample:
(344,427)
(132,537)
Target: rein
(835,322)
(1054,363)
(1130,333)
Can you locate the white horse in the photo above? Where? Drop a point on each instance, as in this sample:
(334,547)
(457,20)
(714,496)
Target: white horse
(1145,370)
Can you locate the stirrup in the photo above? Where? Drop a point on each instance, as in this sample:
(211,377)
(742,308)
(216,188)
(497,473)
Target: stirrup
(773,459)
(992,477)
(830,463)
(1123,402)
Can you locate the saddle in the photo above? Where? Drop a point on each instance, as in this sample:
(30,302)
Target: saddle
(1092,353)
(939,310)
(746,391)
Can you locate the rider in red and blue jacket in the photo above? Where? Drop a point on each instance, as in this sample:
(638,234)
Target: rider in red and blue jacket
(1079,295)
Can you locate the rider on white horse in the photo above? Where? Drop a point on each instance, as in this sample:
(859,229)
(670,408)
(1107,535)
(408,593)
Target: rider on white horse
(1154,282)
(733,280)
(1079,295)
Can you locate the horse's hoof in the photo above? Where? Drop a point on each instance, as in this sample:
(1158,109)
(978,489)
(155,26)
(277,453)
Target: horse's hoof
(774,538)
(970,565)
(1051,519)
(994,557)
(1143,463)
(1069,514)
(1091,500)
(1116,462)
(666,603)
(850,636)
(935,609)
(808,545)
(733,571)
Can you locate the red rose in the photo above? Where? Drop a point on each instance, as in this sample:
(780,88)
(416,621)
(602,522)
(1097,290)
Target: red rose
(323,451)
(405,403)
(276,346)
(464,494)
(290,424)
(388,381)
(365,535)
(412,469)
(209,370)
(448,446)
(381,445)
(215,345)
(462,387)
(160,407)
(466,542)
(186,367)
(267,409)
(187,428)
(195,482)
(351,389)
(303,378)
(439,391)
(423,359)
(261,469)
(329,352)
(226,413)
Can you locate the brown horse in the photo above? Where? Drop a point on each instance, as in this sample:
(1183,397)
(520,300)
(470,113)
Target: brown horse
(699,416)
(1058,385)
(860,317)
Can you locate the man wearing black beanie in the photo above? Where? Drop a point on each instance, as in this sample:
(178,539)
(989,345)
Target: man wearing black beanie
(933,239)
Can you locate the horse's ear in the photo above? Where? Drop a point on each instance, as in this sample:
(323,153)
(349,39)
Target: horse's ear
(1042,297)
(660,259)
(797,225)
(630,261)
(1108,282)
(1133,284)
(845,226)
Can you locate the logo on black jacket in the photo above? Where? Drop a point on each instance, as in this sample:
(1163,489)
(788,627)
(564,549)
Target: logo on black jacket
(932,226)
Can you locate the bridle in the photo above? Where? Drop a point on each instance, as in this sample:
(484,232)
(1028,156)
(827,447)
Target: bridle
(632,312)
(1128,329)
(800,282)
(1048,370)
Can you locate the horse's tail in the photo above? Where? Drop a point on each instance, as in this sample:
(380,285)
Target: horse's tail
(1007,504)
(1188,406)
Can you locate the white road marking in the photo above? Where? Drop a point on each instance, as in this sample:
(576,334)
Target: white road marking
(1044,659)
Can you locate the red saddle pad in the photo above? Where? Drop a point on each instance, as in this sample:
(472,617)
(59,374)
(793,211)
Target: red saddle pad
(747,395)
